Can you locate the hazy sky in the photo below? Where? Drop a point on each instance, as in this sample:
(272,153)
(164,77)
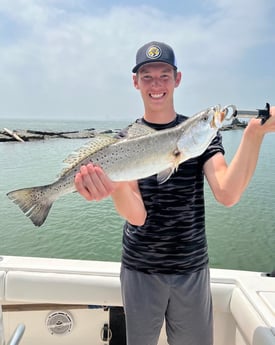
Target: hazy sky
(72,59)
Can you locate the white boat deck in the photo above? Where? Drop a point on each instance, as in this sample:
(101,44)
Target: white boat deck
(35,290)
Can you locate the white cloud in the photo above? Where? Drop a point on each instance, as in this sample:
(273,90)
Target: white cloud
(62,61)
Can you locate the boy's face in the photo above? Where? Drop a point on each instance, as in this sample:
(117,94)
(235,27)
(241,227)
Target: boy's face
(156,82)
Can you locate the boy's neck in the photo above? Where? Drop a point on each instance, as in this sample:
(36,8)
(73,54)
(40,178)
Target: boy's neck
(160,117)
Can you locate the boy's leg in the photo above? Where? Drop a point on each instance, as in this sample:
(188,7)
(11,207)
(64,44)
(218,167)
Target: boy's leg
(189,318)
(145,298)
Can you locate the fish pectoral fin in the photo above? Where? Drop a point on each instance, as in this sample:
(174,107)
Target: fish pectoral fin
(164,175)
(139,130)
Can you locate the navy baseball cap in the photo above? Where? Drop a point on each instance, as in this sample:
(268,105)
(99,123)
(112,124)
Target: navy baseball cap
(155,52)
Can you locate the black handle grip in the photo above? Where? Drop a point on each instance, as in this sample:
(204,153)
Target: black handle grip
(264,114)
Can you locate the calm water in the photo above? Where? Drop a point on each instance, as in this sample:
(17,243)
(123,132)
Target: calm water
(242,237)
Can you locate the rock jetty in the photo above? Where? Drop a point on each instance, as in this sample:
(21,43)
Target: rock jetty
(22,135)
(235,124)
(7,135)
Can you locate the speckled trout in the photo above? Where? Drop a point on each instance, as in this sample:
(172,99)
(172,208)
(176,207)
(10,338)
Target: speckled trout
(143,152)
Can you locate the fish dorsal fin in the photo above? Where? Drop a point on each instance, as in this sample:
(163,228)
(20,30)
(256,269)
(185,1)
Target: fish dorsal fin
(97,143)
(139,130)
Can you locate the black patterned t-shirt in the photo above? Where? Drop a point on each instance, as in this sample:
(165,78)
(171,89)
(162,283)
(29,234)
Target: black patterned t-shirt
(173,239)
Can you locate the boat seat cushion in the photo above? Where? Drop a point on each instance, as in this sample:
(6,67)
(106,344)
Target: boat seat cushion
(38,287)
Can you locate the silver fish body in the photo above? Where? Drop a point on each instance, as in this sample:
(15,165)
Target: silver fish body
(144,152)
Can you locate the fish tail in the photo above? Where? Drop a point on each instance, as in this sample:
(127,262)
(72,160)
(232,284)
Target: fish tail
(33,202)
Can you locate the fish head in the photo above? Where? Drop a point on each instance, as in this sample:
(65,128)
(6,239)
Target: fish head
(212,117)
(198,132)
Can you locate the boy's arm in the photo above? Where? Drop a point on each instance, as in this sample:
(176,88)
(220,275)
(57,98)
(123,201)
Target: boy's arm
(228,182)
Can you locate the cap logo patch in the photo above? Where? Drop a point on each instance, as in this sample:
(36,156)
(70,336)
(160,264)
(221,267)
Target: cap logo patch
(153,52)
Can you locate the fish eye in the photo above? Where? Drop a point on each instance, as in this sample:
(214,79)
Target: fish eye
(205,117)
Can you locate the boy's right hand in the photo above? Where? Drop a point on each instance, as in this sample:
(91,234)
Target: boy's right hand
(92,183)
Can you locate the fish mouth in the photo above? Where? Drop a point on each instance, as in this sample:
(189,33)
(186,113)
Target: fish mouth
(222,115)
(218,116)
